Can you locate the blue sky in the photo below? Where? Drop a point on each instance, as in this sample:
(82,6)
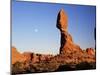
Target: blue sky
(34,26)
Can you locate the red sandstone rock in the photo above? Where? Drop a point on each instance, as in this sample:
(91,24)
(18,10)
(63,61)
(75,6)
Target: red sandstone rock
(35,58)
(90,51)
(62,21)
(16,56)
(31,57)
(28,56)
(67,44)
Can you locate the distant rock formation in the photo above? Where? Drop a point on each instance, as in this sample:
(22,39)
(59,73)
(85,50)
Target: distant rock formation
(67,44)
(28,57)
(31,57)
(90,51)
(16,56)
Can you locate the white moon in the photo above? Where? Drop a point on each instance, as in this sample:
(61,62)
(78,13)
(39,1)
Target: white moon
(35,30)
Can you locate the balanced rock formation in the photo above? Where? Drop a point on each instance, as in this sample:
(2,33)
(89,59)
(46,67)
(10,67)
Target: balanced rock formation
(67,44)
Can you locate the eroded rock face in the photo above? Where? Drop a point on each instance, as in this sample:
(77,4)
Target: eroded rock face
(31,57)
(90,51)
(67,44)
(28,56)
(62,19)
(16,56)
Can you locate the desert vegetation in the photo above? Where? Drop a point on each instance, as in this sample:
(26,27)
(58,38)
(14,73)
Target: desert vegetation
(52,65)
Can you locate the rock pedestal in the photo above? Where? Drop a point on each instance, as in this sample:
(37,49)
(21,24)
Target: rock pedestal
(67,44)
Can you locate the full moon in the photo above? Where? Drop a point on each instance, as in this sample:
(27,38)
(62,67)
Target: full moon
(35,30)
